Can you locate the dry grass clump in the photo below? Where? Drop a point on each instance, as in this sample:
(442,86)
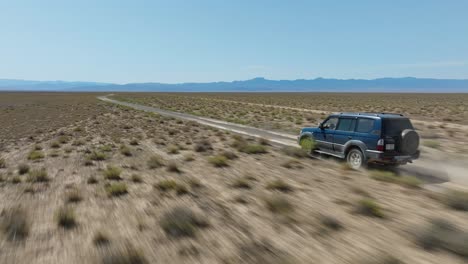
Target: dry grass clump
(279,185)
(23,169)
(15,224)
(66,217)
(241,183)
(441,234)
(116,189)
(189,157)
(126,151)
(134,142)
(126,254)
(292,164)
(92,180)
(229,155)
(457,200)
(2,163)
(369,207)
(294,152)
(169,185)
(388,176)
(55,144)
(136,178)
(39,175)
(97,156)
(172,166)
(100,239)
(15,180)
(218,161)
(331,222)
(155,162)
(253,149)
(181,222)
(112,173)
(203,146)
(36,155)
(74,196)
(263,252)
(173,149)
(279,204)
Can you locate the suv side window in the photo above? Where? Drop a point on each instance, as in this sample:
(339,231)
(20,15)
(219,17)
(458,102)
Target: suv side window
(330,123)
(346,124)
(365,125)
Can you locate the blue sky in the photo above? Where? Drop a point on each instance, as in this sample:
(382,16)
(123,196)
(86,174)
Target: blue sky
(183,41)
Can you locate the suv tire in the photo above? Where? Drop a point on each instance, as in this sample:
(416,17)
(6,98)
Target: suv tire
(355,159)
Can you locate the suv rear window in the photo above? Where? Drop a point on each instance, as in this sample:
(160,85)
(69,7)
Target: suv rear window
(394,126)
(365,125)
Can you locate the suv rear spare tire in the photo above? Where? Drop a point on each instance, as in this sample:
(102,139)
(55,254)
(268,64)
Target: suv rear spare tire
(409,142)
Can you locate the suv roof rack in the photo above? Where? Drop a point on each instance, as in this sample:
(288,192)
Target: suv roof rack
(370,114)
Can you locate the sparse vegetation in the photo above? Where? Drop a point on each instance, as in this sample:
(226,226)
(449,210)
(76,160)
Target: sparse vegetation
(123,255)
(97,156)
(181,222)
(388,176)
(253,149)
(39,175)
(279,185)
(2,163)
(116,189)
(457,200)
(279,204)
(369,207)
(23,168)
(218,161)
(155,162)
(15,224)
(294,152)
(36,155)
(66,217)
(112,173)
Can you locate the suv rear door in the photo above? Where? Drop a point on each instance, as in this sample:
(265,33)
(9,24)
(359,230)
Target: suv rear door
(343,133)
(367,131)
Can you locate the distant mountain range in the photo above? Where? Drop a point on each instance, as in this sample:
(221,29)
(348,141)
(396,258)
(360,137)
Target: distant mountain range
(407,84)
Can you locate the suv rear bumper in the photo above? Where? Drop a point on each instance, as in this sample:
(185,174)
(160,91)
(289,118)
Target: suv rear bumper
(384,158)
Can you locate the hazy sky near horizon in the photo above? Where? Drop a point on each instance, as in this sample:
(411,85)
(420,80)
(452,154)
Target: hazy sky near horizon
(200,40)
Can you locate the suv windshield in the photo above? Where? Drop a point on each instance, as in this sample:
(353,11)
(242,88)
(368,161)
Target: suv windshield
(394,126)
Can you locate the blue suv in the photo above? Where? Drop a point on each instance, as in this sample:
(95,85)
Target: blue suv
(360,138)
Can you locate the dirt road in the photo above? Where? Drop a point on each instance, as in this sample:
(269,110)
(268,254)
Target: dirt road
(438,169)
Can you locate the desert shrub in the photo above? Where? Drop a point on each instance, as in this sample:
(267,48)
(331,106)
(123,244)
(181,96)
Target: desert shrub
(78,142)
(242,183)
(126,151)
(55,144)
(189,157)
(88,162)
(331,222)
(23,168)
(203,146)
(126,254)
(134,142)
(37,147)
(369,207)
(457,200)
(2,163)
(181,222)
(36,155)
(66,217)
(54,153)
(292,164)
(105,148)
(68,150)
(15,180)
(92,180)
(166,185)
(294,152)
(63,140)
(431,144)
(194,183)
(218,161)
(136,178)
(279,185)
(441,234)
(253,149)
(39,175)
(155,162)
(15,224)
(229,155)
(181,189)
(100,238)
(112,173)
(264,142)
(173,149)
(172,166)
(263,252)
(74,196)
(116,189)
(388,176)
(97,156)
(279,205)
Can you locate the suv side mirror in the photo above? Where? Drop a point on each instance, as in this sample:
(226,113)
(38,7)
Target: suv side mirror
(319,125)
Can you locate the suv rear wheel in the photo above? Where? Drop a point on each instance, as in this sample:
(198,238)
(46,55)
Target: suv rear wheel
(355,158)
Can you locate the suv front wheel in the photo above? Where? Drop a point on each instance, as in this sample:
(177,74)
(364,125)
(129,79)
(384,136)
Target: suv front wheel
(355,158)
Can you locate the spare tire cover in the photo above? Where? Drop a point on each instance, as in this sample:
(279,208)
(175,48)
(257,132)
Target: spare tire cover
(409,141)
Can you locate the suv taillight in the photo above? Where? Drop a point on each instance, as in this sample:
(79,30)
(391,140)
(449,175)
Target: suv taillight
(380,145)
